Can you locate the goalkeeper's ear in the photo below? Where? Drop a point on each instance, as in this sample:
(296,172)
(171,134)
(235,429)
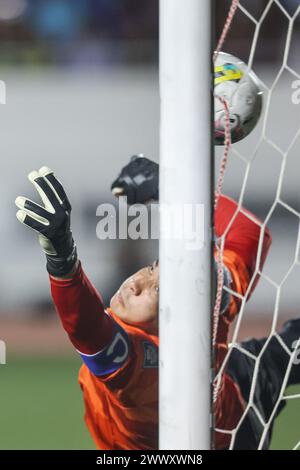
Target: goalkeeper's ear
(138,180)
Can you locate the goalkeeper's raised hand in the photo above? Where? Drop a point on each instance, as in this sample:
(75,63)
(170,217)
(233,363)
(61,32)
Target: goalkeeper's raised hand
(138,180)
(51,221)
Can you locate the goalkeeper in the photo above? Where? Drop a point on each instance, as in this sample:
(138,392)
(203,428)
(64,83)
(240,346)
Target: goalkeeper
(119,345)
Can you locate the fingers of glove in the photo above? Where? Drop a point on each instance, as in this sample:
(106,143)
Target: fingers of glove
(124,182)
(138,180)
(117,191)
(47,195)
(56,186)
(124,186)
(33,210)
(28,220)
(117,187)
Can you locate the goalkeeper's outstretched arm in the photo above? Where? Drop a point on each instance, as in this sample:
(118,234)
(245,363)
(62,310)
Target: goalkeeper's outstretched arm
(80,307)
(246,246)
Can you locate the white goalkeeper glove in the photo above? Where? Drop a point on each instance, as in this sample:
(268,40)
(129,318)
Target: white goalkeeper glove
(52,221)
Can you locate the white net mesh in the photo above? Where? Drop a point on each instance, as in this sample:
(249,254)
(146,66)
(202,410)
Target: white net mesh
(262,175)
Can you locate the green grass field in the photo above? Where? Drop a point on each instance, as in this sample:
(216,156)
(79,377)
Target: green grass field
(41,408)
(41,405)
(286,429)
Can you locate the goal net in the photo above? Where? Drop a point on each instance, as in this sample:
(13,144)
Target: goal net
(262,175)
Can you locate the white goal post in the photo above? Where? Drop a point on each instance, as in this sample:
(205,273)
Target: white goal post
(260,176)
(186,156)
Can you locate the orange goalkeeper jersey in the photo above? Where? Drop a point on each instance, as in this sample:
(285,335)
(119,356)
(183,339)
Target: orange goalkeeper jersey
(122,409)
(119,378)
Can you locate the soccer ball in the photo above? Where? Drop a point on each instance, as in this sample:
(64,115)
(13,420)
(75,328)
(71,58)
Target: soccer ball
(240,87)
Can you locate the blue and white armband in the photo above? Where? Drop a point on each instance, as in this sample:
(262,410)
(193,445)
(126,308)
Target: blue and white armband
(112,357)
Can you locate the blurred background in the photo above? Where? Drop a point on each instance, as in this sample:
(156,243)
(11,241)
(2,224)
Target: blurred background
(82,97)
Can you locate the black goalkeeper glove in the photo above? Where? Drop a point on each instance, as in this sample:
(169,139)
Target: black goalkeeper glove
(138,181)
(52,222)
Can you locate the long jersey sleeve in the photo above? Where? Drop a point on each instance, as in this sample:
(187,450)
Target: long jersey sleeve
(242,238)
(103,344)
(80,308)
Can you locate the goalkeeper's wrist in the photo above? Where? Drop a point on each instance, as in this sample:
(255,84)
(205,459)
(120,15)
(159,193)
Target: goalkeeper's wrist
(69,276)
(61,267)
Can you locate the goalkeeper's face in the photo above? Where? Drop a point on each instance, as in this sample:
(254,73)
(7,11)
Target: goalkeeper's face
(136,302)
